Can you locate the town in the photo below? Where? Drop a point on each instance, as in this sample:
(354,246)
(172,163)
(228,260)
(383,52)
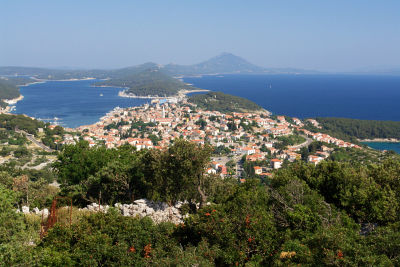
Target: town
(268,142)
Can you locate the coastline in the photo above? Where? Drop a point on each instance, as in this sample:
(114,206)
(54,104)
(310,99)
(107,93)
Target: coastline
(14,100)
(181,94)
(380,140)
(11,102)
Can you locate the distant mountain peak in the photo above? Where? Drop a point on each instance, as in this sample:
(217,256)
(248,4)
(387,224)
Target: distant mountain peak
(225,54)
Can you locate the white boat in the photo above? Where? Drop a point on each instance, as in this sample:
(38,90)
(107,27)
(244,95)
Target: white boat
(101,94)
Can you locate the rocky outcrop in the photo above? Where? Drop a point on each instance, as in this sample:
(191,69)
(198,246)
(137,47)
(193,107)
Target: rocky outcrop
(37,211)
(157,211)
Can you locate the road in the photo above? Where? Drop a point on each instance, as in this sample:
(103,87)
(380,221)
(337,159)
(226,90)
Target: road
(304,144)
(36,142)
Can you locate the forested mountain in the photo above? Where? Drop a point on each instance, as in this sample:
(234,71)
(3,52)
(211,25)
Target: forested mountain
(152,82)
(219,101)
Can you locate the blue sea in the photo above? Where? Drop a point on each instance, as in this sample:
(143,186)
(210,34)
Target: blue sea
(74,103)
(384,146)
(367,97)
(349,96)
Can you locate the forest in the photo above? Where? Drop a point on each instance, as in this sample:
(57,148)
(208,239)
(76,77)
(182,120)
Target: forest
(148,82)
(332,214)
(218,101)
(8,90)
(361,129)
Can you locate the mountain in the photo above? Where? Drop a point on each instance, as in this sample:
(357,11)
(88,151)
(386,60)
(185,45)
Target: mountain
(150,78)
(223,63)
(151,81)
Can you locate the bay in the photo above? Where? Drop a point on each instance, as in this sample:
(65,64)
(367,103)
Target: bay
(71,103)
(384,146)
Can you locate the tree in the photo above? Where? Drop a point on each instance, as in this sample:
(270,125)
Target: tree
(178,173)
(13,237)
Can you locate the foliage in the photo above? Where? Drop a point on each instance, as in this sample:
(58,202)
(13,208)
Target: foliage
(362,129)
(335,213)
(148,82)
(177,173)
(358,190)
(10,122)
(13,235)
(285,141)
(218,101)
(8,90)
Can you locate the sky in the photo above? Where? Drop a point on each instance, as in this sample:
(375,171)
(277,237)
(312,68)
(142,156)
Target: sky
(338,35)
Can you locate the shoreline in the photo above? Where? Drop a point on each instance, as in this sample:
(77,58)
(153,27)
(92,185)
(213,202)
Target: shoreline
(10,103)
(181,94)
(14,100)
(379,140)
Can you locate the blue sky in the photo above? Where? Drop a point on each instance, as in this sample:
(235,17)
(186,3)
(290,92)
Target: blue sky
(322,35)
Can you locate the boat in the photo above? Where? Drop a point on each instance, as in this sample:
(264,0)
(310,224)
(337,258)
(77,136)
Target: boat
(101,94)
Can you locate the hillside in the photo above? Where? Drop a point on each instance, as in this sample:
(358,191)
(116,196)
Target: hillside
(148,82)
(7,91)
(217,101)
(361,129)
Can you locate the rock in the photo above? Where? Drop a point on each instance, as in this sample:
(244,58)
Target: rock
(149,210)
(140,201)
(45,213)
(25,209)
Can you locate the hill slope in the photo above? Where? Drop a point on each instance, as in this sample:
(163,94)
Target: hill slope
(217,101)
(149,82)
(7,91)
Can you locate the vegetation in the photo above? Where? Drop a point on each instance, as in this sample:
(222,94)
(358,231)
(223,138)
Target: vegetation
(7,91)
(361,129)
(149,82)
(218,101)
(21,122)
(291,140)
(335,213)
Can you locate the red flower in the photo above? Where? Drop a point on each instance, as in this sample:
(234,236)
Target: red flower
(132,249)
(207,214)
(214,210)
(339,254)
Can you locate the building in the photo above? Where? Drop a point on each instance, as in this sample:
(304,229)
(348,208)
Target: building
(276,163)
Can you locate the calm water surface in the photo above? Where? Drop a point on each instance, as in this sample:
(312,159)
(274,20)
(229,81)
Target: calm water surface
(74,103)
(304,96)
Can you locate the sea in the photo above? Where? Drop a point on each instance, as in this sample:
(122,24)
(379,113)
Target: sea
(372,97)
(306,96)
(71,103)
(384,146)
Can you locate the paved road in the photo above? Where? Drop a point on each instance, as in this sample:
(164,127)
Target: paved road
(305,144)
(36,142)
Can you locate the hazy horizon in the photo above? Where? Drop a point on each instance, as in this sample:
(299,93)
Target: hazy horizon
(314,35)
